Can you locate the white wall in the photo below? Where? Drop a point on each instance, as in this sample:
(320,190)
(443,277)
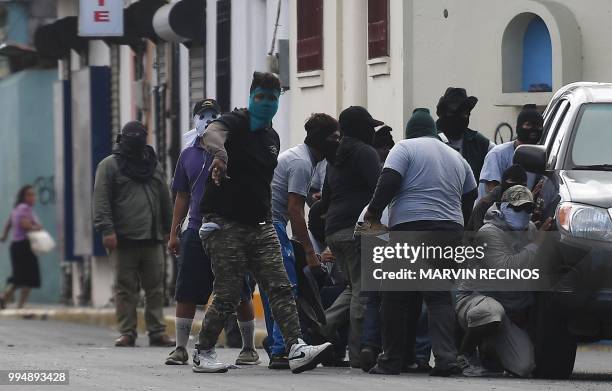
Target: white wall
(429,53)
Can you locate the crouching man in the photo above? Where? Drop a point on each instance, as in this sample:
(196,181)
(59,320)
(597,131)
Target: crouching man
(497,319)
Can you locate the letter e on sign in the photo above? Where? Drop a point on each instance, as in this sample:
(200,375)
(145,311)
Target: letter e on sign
(101,18)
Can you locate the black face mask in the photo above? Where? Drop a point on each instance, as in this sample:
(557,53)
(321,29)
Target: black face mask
(132,145)
(453,126)
(329,149)
(529,136)
(137,160)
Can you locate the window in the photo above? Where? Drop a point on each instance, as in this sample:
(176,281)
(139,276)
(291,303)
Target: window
(537,57)
(378,28)
(526,55)
(593,139)
(310,35)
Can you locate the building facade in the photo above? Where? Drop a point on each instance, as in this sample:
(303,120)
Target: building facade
(395,55)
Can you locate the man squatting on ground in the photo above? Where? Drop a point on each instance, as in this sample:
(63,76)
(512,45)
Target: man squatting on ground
(237,230)
(195,278)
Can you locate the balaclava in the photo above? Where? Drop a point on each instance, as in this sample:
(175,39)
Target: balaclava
(136,159)
(262,111)
(318,128)
(530,114)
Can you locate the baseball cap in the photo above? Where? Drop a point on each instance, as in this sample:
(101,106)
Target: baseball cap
(206,104)
(356,114)
(517,195)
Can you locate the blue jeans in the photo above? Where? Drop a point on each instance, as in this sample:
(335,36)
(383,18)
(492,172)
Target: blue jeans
(370,335)
(423,342)
(278,345)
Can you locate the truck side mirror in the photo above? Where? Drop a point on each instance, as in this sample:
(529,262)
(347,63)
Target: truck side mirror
(531,157)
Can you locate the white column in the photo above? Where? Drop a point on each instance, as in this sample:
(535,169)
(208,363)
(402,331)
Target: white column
(211,49)
(354,52)
(126,79)
(99,53)
(249,47)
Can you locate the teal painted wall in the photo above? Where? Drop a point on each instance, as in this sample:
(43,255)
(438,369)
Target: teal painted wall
(27,155)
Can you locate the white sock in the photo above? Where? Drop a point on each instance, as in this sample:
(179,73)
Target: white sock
(183,329)
(247,330)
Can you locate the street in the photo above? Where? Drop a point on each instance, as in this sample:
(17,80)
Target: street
(94,364)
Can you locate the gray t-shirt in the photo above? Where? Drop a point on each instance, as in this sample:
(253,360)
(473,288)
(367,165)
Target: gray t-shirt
(435,177)
(319,175)
(293,174)
(496,162)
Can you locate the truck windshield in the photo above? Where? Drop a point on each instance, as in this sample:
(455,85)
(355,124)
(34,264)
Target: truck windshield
(592,147)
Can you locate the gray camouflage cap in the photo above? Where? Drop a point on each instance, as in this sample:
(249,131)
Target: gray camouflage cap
(517,195)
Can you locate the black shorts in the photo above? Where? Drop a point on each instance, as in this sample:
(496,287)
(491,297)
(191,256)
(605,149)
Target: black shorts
(194,280)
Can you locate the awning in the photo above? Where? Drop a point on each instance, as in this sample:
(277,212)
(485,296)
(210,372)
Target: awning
(183,21)
(55,40)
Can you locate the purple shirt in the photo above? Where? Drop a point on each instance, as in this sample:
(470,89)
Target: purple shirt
(190,177)
(19,213)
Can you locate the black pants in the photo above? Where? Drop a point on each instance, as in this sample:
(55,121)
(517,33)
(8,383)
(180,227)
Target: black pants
(400,310)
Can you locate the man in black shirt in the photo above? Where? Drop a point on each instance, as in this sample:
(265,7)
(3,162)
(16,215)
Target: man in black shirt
(237,230)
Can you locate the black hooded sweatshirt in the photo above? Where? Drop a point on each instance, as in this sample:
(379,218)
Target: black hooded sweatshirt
(349,184)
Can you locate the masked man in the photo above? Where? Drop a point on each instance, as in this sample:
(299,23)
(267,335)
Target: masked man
(237,230)
(292,178)
(529,128)
(453,110)
(194,282)
(133,212)
(204,112)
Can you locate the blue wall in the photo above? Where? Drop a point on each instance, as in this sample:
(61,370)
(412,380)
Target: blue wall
(26,157)
(537,55)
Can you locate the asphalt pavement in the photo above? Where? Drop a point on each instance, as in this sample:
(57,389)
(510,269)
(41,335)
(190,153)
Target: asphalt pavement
(94,364)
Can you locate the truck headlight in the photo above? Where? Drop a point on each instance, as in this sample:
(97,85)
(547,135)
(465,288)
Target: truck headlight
(585,221)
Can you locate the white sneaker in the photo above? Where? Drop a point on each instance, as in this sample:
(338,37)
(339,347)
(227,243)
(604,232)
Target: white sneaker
(304,357)
(205,361)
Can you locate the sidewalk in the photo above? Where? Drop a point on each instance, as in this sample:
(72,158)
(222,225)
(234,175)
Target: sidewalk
(105,317)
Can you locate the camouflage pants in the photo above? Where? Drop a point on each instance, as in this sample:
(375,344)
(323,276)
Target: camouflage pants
(234,250)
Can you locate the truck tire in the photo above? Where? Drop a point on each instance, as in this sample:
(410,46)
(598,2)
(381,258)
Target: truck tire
(554,346)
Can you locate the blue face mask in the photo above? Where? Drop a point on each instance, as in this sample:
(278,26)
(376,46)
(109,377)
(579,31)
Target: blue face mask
(518,221)
(263,105)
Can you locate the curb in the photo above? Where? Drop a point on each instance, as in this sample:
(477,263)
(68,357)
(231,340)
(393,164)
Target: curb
(105,317)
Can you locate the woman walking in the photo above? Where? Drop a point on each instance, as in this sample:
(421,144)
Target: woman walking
(25,275)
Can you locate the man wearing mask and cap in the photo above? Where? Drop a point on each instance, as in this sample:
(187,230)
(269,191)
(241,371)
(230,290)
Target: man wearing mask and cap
(426,185)
(133,212)
(292,177)
(529,128)
(348,187)
(194,281)
(237,231)
(204,112)
(512,242)
(513,175)
(453,110)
